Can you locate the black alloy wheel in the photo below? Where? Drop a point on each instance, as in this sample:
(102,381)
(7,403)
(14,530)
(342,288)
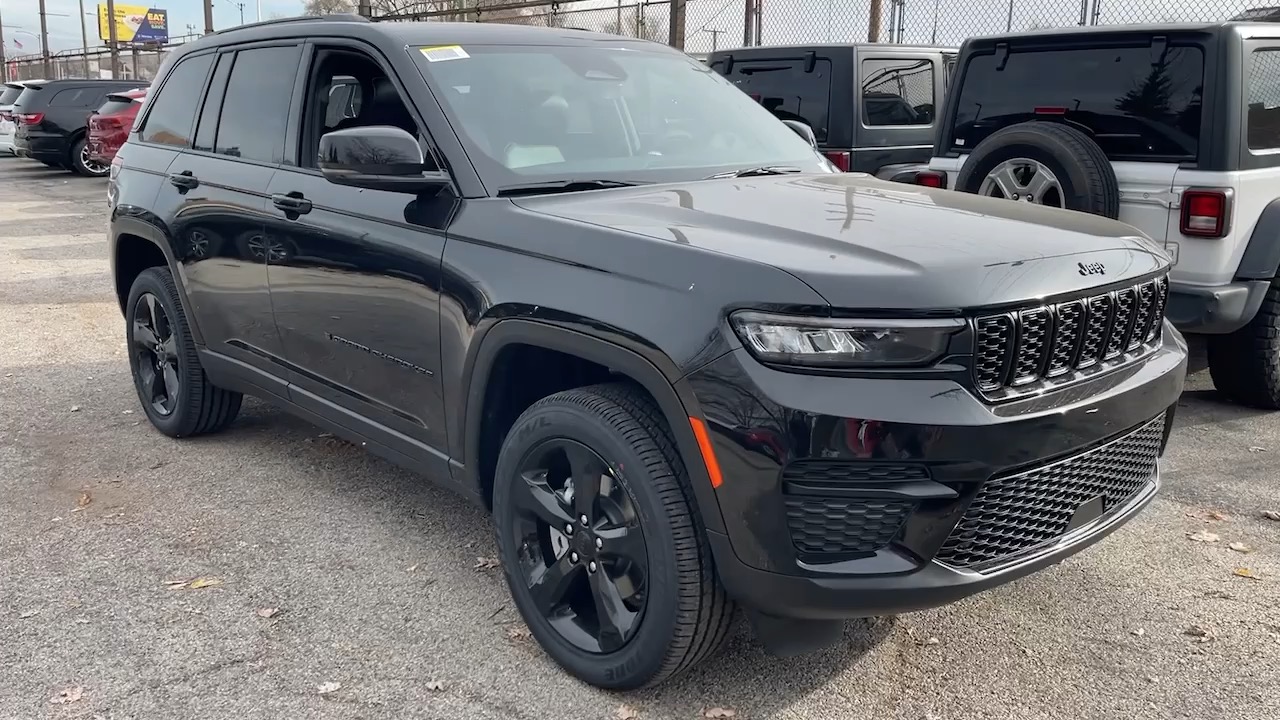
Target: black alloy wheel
(156,351)
(582,550)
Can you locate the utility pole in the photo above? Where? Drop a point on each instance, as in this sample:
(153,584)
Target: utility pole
(873,23)
(748,17)
(84,40)
(112,39)
(1008,23)
(4,66)
(935,22)
(208,17)
(675,33)
(715,39)
(241,6)
(44,42)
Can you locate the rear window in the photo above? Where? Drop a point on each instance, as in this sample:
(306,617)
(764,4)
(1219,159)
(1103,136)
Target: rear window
(1263,99)
(9,94)
(28,95)
(116,104)
(1137,106)
(791,89)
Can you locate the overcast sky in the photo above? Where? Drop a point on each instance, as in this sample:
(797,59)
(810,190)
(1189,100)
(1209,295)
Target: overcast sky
(785,21)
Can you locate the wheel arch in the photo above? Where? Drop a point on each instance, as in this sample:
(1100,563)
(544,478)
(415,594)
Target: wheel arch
(674,398)
(1261,259)
(137,245)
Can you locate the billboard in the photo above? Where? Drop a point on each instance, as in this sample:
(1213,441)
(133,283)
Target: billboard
(135,24)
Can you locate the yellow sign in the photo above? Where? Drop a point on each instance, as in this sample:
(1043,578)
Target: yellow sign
(135,24)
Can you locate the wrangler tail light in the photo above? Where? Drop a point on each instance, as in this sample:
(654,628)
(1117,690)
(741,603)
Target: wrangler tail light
(838,158)
(1206,212)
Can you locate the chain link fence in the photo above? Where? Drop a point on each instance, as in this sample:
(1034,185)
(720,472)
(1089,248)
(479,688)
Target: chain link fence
(136,62)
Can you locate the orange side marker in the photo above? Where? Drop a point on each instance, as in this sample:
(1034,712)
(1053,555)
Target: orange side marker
(708,455)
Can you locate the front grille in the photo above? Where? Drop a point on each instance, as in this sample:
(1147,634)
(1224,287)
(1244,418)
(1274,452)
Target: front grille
(843,526)
(1015,514)
(1024,351)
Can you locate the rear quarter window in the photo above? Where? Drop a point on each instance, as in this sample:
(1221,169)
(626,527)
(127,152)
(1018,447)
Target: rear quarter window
(1263,98)
(1134,105)
(788,88)
(74,97)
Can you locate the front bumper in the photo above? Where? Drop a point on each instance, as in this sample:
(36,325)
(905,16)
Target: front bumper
(905,466)
(1216,310)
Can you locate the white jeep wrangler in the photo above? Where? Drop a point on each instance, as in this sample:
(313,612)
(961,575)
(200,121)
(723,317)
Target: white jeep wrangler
(1174,129)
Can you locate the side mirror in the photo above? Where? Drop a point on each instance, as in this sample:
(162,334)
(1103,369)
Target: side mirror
(803,131)
(378,157)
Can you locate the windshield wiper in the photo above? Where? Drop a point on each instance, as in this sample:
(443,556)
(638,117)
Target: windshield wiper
(563,186)
(751,172)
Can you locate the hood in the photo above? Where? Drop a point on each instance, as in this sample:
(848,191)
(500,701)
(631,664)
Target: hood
(867,243)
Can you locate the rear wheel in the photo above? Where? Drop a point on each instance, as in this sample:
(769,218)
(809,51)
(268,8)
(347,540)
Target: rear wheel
(1245,365)
(603,551)
(82,164)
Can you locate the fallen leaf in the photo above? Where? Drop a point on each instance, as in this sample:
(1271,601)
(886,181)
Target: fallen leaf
(518,632)
(626,712)
(718,712)
(28,614)
(204,582)
(1240,547)
(84,499)
(1202,536)
(1271,515)
(1204,634)
(435,685)
(1139,632)
(1256,449)
(1247,573)
(268,613)
(485,563)
(69,695)
(327,688)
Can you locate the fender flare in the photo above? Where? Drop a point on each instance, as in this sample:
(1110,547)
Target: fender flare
(124,225)
(675,399)
(1261,259)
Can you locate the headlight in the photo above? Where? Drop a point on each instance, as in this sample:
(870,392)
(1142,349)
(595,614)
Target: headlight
(831,342)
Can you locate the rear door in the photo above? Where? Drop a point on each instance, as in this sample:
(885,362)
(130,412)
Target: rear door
(798,84)
(898,94)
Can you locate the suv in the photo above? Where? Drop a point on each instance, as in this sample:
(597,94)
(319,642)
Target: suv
(53,122)
(885,128)
(8,93)
(1124,122)
(585,282)
(109,125)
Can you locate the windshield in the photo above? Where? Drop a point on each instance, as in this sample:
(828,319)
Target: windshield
(534,114)
(9,93)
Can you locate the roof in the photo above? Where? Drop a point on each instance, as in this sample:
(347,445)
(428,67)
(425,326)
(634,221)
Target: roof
(1246,29)
(805,47)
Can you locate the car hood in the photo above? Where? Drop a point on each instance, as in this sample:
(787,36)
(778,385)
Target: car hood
(866,243)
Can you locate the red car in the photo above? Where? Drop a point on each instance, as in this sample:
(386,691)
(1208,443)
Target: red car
(109,125)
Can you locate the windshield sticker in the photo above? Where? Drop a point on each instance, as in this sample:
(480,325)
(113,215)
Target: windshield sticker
(443,52)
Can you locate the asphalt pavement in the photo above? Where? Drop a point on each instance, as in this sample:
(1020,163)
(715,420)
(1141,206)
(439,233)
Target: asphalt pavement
(275,572)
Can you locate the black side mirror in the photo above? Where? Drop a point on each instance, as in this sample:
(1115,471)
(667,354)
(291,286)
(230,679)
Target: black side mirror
(803,131)
(378,157)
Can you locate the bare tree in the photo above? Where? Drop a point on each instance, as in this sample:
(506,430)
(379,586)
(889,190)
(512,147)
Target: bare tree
(327,7)
(646,28)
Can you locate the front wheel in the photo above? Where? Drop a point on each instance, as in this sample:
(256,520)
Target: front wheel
(1245,365)
(602,549)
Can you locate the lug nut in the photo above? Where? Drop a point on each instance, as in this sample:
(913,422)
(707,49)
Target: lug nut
(599,543)
(592,566)
(573,557)
(568,528)
(584,520)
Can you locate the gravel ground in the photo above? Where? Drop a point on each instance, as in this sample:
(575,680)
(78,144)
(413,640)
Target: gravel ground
(370,570)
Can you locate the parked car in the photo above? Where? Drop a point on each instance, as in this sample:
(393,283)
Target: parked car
(687,365)
(53,122)
(8,93)
(1118,122)
(109,125)
(885,127)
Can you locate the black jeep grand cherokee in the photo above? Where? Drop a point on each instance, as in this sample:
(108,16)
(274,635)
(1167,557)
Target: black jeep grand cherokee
(588,283)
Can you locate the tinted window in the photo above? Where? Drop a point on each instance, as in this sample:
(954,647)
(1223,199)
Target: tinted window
(212,104)
(1135,105)
(173,110)
(256,107)
(786,90)
(1264,100)
(28,96)
(897,92)
(115,104)
(9,94)
(72,97)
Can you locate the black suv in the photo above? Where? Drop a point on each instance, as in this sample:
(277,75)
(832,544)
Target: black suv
(53,121)
(587,283)
(870,107)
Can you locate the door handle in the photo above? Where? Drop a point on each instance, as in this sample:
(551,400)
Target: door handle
(184,181)
(292,202)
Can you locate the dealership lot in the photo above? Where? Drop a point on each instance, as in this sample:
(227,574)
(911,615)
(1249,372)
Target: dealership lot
(321,565)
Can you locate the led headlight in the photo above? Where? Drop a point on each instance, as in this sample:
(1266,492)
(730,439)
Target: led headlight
(833,342)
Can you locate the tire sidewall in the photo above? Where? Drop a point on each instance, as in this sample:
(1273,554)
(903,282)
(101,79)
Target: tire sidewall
(1021,143)
(149,282)
(643,656)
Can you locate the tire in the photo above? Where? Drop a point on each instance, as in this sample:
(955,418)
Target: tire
(686,615)
(76,161)
(1088,181)
(1245,365)
(197,407)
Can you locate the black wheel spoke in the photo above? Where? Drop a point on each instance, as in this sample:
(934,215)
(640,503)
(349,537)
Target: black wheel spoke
(170,348)
(550,584)
(614,617)
(143,335)
(623,542)
(586,469)
(170,381)
(150,380)
(542,501)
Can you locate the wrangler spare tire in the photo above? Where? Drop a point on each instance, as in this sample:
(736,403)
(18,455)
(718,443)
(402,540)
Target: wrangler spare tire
(1045,163)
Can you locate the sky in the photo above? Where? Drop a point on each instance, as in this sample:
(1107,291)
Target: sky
(707,21)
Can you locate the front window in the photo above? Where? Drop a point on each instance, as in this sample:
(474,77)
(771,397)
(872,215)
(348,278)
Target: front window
(533,114)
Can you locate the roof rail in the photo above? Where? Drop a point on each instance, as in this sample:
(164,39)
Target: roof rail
(336,17)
